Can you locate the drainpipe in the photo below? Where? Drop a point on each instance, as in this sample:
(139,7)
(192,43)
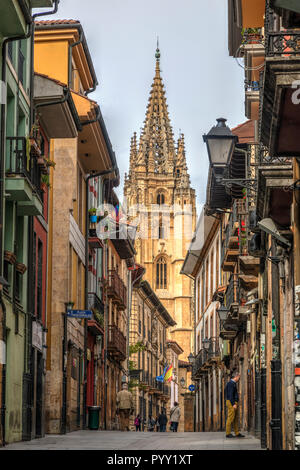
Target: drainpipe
(91,176)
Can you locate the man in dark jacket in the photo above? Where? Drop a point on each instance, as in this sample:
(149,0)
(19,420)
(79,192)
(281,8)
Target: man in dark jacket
(232,400)
(162,420)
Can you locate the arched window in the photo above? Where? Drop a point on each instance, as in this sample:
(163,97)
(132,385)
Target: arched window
(161,273)
(160,199)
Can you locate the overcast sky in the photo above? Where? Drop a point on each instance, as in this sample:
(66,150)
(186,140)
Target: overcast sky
(202,82)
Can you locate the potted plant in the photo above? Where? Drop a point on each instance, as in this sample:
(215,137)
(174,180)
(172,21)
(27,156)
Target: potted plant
(93,216)
(45,182)
(251,35)
(50,163)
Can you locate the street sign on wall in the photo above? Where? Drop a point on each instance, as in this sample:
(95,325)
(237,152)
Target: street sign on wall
(86,314)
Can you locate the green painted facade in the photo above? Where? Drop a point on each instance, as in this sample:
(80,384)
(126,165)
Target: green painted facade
(17,190)
(20,202)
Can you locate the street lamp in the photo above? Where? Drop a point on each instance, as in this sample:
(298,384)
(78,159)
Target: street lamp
(222,312)
(191,358)
(220,144)
(182,382)
(206,343)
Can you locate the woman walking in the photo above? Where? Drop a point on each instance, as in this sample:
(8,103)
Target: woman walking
(175,416)
(137,423)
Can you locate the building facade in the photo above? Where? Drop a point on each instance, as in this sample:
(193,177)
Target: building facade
(72,343)
(149,322)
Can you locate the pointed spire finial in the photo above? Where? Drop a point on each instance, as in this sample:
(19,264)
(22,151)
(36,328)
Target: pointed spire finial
(157,54)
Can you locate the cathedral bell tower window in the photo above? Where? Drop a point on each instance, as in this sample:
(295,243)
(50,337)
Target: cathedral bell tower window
(161,273)
(160,199)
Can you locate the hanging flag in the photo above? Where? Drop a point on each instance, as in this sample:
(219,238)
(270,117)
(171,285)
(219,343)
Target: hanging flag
(169,374)
(160,378)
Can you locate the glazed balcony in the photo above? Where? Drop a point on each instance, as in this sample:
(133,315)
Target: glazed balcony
(117,289)
(116,343)
(23,177)
(232,294)
(230,246)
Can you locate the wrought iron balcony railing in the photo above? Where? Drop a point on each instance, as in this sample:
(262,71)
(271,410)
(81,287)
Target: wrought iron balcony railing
(117,289)
(284,43)
(263,157)
(20,163)
(116,342)
(214,348)
(95,302)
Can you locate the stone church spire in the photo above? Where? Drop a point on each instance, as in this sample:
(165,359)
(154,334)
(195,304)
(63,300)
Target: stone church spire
(157,147)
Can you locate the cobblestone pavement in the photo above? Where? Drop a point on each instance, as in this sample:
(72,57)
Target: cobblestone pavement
(114,440)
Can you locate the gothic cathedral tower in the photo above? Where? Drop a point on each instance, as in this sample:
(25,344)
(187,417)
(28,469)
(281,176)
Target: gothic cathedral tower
(158,181)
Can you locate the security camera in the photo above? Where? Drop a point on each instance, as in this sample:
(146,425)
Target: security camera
(268,226)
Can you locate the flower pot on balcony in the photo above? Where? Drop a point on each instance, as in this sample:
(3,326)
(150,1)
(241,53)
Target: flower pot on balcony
(10,257)
(93,219)
(44,187)
(21,268)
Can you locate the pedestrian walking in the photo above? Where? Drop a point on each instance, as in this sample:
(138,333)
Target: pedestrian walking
(162,421)
(175,416)
(232,401)
(151,424)
(137,423)
(124,406)
(157,426)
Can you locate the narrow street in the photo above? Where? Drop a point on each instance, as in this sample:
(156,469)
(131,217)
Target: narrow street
(114,440)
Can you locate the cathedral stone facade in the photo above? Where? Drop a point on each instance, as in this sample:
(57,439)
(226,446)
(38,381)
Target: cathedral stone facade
(158,184)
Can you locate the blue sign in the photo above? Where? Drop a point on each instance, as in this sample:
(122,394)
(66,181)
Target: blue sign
(192,388)
(86,314)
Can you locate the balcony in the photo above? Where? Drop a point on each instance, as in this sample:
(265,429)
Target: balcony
(213,350)
(116,343)
(166,391)
(280,118)
(200,361)
(117,289)
(96,325)
(232,294)
(230,246)
(274,175)
(23,177)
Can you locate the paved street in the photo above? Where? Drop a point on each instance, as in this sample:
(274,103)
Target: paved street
(113,440)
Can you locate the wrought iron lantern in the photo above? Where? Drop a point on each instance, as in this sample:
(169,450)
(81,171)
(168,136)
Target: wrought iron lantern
(191,359)
(222,312)
(220,144)
(206,343)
